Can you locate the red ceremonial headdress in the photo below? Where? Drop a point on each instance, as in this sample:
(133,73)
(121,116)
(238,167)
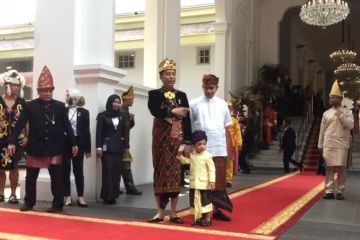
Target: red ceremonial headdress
(45,79)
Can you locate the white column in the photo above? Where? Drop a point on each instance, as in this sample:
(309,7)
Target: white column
(161,37)
(54,27)
(94,32)
(80,33)
(221,30)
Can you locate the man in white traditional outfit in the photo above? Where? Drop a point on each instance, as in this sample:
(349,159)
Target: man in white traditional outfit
(211,114)
(334,141)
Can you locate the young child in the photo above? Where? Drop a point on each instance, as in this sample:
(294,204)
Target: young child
(202,178)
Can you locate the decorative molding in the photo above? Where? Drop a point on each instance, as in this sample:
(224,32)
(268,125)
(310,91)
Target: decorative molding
(85,73)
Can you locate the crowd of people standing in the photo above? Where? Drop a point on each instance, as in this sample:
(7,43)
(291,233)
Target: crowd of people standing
(204,133)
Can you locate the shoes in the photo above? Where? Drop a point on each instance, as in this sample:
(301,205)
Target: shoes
(219,215)
(328,196)
(13,199)
(134,192)
(340,196)
(2,198)
(82,204)
(301,167)
(67,201)
(197,222)
(176,220)
(206,222)
(54,210)
(155,220)
(26,208)
(228,185)
(109,201)
(120,192)
(245,171)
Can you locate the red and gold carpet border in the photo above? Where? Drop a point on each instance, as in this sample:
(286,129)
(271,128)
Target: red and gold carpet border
(242,192)
(282,217)
(139,224)
(13,236)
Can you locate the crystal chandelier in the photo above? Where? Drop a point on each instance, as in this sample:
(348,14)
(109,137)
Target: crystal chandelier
(348,72)
(324,12)
(343,56)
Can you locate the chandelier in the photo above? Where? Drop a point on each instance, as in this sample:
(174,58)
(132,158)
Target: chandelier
(343,56)
(351,89)
(348,72)
(324,12)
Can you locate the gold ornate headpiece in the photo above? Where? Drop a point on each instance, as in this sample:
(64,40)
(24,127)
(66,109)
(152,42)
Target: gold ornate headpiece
(129,94)
(335,90)
(167,64)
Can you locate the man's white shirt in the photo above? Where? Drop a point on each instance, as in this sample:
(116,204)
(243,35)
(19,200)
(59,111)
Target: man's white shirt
(212,116)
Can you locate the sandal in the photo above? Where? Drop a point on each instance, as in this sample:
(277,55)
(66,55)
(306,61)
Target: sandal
(13,199)
(2,198)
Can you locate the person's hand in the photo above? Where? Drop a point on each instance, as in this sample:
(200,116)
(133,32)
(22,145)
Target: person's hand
(180,111)
(11,149)
(88,155)
(212,185)
(280,150)
(187,150)
(99,153)
(74,150)
(338,112)
(181,148)
(23,142)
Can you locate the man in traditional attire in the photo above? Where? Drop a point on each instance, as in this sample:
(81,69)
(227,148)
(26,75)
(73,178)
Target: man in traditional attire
(125,169)
(234,144)
(336,124)
(211,114)
(48,122)
(171,128)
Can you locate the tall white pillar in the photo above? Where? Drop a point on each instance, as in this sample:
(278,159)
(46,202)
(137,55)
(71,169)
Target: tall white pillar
(54,43)
(221,31)
(79,33)
(161,38)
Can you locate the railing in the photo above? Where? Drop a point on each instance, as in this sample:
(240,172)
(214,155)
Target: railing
(304,126)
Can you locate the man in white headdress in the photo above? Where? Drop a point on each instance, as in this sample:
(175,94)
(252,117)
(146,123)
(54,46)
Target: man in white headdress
(336,124)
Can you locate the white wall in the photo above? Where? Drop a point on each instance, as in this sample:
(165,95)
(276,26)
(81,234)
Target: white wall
(191,73)
(135,75)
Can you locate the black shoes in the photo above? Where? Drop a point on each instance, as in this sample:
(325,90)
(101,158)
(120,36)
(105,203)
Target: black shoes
(155,220)
(80,204)
(219,215)
(176,220)
(134,192)
(54,210)
(110,201)
(26,208)
(228,185)
(328,196)
(340,196)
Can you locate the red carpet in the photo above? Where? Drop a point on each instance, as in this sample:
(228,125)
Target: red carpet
(272,207)
(261,212)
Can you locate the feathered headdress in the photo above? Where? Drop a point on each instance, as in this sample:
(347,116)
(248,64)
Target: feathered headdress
(12,76)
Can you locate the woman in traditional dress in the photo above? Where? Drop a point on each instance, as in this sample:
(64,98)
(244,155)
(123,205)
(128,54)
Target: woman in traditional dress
(110,146)
(171,128)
